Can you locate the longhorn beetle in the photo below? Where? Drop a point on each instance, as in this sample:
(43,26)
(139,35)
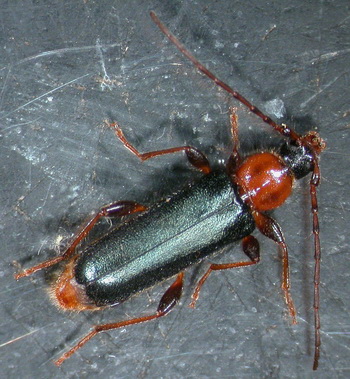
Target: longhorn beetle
(223,206)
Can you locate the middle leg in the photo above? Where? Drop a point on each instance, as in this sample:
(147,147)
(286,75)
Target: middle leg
(250,246)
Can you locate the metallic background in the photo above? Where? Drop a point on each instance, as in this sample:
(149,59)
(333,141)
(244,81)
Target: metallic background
(67,66)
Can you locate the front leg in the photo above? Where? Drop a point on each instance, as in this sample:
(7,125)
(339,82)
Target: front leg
(270,228)
(194,156)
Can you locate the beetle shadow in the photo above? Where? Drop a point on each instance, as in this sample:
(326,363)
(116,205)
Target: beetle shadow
(181,172)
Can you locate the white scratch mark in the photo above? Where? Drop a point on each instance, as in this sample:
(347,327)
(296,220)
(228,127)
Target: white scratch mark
(46,197)
(21,124)
(18,338)
(45,94)
(106,79)
(302,105)
(329,56)
(63,51)
(4,86)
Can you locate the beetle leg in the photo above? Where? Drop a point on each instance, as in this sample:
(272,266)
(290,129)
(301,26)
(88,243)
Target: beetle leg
(270,228)
(194,156)
(235,158)
(250,247)
(166,304)
(118,209)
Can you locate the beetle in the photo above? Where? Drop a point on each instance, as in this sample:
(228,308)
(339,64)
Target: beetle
(161,241)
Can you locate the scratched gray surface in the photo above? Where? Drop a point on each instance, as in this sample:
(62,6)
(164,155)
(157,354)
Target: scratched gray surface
(67,66)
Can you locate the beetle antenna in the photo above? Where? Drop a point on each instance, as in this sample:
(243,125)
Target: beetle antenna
(282,129)
(311,140)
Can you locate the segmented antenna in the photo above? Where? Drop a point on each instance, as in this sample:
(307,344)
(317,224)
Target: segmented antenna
(311,140)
